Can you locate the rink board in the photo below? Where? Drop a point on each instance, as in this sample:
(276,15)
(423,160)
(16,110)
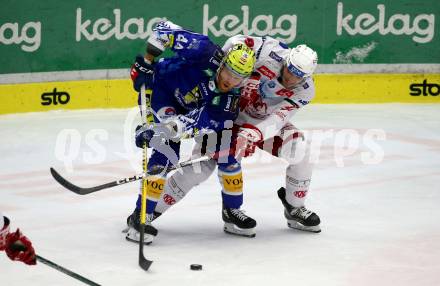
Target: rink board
(118,93)
(50,36)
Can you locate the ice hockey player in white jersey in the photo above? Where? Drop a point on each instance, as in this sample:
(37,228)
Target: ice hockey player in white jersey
(17,246)
(268,103)
(285,85)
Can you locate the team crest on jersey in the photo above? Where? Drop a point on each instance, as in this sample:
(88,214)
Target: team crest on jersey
(189,98)
(266,72)
(275,56)
(306,85)
(284,92)
(192,95)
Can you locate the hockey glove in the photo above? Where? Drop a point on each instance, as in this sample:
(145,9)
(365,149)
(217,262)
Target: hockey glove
(17,246)
(248,138)
(143,136)
(141,73)
(156,134)
(4,233)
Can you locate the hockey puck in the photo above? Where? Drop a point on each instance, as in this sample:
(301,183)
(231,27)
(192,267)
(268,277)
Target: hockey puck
(195,267)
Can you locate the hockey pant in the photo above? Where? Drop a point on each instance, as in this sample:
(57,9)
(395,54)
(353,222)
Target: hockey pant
(289,144)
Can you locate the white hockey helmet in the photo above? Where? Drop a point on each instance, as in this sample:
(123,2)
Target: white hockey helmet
(302,61)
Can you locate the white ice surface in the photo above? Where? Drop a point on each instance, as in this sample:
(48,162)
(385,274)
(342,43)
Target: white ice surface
(380,222)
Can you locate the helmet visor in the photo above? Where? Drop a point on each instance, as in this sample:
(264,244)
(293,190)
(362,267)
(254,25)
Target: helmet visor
(234,73)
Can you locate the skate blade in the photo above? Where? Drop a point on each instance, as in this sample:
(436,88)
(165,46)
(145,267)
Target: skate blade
(232,229)
(148,230)
(299,226)
(134,236)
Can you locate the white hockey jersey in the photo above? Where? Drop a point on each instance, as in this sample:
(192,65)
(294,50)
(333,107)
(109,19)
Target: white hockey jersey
(278,103)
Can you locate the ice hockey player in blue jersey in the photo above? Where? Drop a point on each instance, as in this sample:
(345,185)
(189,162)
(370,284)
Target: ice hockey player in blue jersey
(194,92)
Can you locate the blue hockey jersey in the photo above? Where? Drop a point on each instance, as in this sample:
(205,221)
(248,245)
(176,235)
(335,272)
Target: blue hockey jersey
(184,85)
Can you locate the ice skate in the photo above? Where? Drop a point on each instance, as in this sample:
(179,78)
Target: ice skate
(299,218)
(236,222)
(133,228)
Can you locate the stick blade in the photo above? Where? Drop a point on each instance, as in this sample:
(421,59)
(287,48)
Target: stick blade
(76,189)
(68,185)
(144,263)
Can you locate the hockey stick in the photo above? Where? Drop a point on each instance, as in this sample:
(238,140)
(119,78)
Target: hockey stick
(19,247)
(85,191)
(66,271)
(143,262)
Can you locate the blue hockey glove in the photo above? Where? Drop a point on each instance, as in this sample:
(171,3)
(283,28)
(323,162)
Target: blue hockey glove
(155,135)
(143,136)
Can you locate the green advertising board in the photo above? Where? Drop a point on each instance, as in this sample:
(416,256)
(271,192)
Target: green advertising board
(41,36)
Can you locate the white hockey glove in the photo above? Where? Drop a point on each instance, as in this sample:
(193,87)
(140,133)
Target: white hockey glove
(248,138)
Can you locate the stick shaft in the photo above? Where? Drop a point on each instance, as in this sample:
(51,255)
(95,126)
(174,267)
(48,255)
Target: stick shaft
(66,271)
(143,262)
